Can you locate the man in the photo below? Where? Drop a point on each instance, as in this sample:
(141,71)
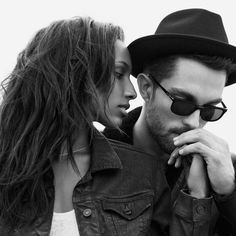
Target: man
(181,72)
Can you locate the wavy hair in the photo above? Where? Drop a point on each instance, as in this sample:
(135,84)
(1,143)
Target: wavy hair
(52,91)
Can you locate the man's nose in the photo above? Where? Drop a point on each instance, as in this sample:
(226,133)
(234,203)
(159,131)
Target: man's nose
(192,121)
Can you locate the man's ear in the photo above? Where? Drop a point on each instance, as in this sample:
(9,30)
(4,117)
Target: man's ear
(145,85)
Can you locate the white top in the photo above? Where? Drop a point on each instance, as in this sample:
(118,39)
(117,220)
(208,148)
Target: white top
(64,224)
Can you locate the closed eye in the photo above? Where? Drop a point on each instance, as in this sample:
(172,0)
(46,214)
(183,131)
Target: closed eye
(118,75)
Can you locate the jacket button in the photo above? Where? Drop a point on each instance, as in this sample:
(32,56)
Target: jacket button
(127,210)
(87,212)
(200,209)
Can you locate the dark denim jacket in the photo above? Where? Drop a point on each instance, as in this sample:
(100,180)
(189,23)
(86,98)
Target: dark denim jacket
(212,216)
(117,196)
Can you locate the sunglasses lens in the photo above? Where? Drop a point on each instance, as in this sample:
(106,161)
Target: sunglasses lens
(182,107)
(211,113)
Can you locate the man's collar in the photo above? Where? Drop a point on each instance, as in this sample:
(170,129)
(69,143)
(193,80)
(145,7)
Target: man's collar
(127,128)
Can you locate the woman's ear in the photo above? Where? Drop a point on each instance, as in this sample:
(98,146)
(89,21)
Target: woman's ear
(145,85)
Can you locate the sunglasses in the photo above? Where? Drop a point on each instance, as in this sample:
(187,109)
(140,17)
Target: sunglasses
(183,107)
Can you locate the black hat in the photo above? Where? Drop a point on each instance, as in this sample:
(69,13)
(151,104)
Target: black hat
(190,31)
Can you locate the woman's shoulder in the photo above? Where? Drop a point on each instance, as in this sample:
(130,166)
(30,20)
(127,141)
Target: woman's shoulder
(133,153)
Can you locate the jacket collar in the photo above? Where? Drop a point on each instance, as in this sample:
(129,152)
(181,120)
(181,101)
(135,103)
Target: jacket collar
(127,128)
(103,154)
(103,157)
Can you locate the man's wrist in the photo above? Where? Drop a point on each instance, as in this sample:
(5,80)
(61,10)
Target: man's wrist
(226,188)
(223,195)
(199,191)
(199,194)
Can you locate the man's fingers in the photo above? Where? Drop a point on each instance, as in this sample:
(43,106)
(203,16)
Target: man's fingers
(173,156)
(178,162)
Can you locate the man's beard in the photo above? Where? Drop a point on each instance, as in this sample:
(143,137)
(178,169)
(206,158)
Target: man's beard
(160,133)
(158,130)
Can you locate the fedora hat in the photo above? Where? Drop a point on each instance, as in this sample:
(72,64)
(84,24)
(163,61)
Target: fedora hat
(189,31)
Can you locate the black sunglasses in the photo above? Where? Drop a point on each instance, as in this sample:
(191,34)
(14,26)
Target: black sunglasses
(183,107)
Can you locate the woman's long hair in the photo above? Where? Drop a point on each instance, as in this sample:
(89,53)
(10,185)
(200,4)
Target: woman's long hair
(51,93)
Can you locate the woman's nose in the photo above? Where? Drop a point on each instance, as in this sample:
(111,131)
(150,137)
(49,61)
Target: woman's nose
(129,90)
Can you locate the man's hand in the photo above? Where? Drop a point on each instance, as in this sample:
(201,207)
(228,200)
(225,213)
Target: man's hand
(215,153)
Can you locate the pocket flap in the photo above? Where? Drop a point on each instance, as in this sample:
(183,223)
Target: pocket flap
(128,208)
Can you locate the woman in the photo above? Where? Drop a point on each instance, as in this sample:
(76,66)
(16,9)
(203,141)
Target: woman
(59,175)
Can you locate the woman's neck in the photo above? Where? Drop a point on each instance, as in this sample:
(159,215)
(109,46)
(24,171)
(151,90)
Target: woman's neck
(81,143)
(65,175)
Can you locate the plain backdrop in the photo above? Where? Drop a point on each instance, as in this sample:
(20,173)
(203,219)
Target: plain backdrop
(20,19)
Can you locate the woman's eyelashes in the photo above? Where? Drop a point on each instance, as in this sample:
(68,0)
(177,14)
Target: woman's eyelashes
(118,75)
(121,70)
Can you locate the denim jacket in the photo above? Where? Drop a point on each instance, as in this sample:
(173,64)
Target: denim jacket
(215,215)
(121,194)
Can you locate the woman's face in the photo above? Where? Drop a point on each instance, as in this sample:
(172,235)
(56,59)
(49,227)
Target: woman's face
(123,90)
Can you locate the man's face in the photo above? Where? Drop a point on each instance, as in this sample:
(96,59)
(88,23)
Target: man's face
(192,81)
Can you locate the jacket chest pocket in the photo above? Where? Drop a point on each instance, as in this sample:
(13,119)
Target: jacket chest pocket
(128,216)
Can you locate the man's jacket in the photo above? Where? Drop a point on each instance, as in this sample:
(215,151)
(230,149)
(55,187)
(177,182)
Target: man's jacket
(189,215)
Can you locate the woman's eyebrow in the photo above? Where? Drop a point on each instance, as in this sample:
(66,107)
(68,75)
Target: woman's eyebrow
(122,63)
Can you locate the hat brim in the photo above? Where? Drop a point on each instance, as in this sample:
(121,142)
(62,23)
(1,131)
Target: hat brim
(148,48)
